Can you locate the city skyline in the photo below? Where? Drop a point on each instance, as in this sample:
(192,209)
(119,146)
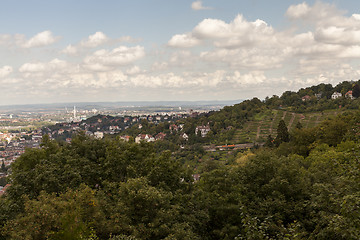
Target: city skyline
(92,51)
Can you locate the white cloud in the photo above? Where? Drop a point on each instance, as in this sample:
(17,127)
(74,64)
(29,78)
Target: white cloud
(159,66)
(104,59)
(211,79)
(95,40)
(5,71)
(239,32)
(338,35)
(5,39)
(260,59)
(214,58)
(39,40)
(110,79)
(97,67)
(350,52)
(251,78)
(183,41)
(52,66)
(212,28)
(197,5)
(356,17)
(186,80)
(182,58)
(321,15)
(70,50)
(256,45)
(298,11)
(168,80)
(134,70)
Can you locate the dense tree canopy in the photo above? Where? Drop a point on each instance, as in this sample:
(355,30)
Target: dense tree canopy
(305,186)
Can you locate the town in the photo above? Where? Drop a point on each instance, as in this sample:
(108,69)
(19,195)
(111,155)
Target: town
(24,129)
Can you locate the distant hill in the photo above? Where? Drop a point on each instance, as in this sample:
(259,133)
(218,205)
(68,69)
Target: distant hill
(114,105)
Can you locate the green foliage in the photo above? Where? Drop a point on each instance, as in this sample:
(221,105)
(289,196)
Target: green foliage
(72,215)
(356,90)
(3,167)
(282,133)
(305,187)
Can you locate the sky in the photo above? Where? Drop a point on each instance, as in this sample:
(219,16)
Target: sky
(171,50)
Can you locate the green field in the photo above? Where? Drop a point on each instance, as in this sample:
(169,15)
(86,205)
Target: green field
(265,123)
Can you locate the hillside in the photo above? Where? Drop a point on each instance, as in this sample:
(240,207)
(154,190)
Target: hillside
(304,188)
(304,183)
(266,122)
(252,121)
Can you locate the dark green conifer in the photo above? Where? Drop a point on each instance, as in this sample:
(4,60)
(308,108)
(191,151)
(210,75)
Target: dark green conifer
(282,133)
(298,125)
(269,141)
(356,91)
(3,167)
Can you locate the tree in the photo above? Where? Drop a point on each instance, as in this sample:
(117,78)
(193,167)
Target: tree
(72,215)
(3,167)
(356,90)
(269,141)
(147,212)
(282,133)
(298,125)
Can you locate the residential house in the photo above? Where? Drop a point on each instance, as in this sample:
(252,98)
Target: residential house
(113,128)
(318,95)
(89,133)
(349,95)
(144,137)
(336,95)
(185,136)
(160,136)
(196,177)
(306,98)
(204,130)
(3,190)
(173,127)
(126,138)
(99,134)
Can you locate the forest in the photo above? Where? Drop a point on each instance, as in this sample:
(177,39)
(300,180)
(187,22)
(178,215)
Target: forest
(302,184)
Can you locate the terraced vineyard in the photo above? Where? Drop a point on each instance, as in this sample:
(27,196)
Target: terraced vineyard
(265,123)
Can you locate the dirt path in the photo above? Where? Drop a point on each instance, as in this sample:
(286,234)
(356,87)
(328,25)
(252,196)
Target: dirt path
(317,120)
(291,121)
(308,121)
(283,117)
(272,124)
(258,131)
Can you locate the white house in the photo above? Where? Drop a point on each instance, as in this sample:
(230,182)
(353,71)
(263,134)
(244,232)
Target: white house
(98,134)
(336,95)
(203,130)
(144,137)
(185,136)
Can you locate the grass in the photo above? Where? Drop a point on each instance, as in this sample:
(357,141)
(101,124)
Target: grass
(269,120)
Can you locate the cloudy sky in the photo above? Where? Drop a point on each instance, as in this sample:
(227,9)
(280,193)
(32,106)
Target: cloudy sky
(113,50)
